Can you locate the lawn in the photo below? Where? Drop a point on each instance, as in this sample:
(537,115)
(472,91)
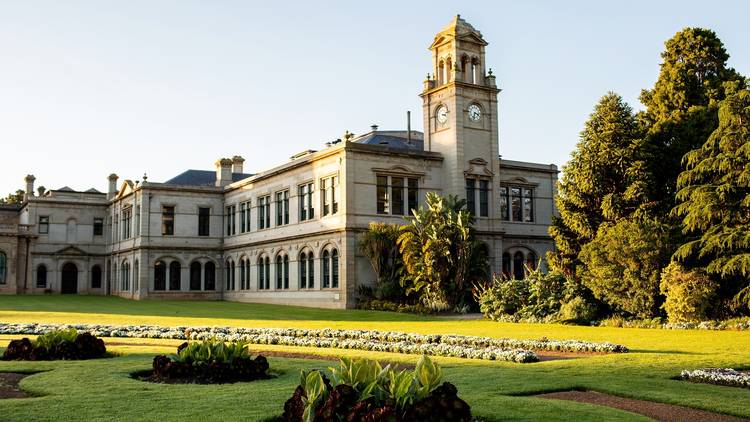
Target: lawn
(102,389)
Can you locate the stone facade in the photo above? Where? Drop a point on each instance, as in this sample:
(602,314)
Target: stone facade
(288,235)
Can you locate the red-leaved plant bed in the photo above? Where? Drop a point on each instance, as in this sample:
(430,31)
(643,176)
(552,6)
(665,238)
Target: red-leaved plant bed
(57,344)
(208,362)
(362,390)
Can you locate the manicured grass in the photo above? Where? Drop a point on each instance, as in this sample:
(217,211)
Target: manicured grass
(102,389)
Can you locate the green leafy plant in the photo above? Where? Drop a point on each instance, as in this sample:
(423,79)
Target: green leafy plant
(52,339)
(360,388)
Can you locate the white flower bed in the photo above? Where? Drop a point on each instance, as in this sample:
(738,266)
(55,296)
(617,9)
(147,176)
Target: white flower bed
(718,376)
(384,341)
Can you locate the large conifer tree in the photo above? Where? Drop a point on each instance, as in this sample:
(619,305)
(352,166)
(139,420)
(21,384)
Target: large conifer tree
(680,115)
(592,188)
(715,195)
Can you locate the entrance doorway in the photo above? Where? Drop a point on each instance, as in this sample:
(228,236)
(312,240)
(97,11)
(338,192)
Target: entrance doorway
(69,279)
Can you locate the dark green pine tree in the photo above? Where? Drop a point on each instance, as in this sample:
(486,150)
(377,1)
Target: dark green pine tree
(680,114)
(592,188)
(714,191)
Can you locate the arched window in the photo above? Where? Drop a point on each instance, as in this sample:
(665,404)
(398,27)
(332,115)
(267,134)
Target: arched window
(326,270)
(160,275)
(286,271)
(96,277)
(41,276)
(247,274)
(518,271)
(175,278)
(466,76)
(209,276)
(475,70)
(306,270)
(136,275)
(229,277)
(441,73)
(448,68)
(506,264)
(335,269)
(310,270)
(264,273)
(242,274)
(531,260)
(125,277)
(279,273)
(303,270)
(195,275)
(3,267)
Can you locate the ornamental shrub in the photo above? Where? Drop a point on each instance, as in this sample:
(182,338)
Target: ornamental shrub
(577,310)
(502,296)
(689,293)
(363,390)
(622,265)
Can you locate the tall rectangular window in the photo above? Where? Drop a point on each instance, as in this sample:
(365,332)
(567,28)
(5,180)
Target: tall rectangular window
(282,208)
(306,207)
(484,194)
(231,227)
(397,195)
(504,214)
(264,212)
(412,195)
(243,212)
(43,224)
(382,193)
(137,220)
(98,226)
(204,221)
(127,215)
(471,202)
(528,205)
(515,204)
(246,216)
(167,221)
(328,195)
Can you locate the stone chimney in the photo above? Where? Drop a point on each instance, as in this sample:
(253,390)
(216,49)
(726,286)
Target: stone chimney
(29,179)
(112,191)
(223,171)
(237,164)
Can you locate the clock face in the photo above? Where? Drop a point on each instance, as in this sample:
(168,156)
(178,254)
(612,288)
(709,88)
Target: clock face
(475,113)
(442,114)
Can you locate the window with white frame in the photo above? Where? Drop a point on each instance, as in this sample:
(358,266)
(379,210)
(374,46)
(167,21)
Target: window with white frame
(477,196)
(396,195)
(305,199)
(231,227)
(329,187)
(282,208)
(264,212)
(127,215)
(517,203)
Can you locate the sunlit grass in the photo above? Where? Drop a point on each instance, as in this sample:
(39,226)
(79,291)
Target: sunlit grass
(657,356)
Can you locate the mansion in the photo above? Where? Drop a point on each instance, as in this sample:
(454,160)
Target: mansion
(289,234)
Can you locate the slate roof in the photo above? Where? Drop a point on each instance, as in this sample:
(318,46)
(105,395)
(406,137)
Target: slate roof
(201,178)
(390,141)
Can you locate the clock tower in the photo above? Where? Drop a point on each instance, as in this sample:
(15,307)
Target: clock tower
(460,112)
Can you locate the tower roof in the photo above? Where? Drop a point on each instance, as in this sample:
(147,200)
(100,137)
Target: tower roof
(458,28)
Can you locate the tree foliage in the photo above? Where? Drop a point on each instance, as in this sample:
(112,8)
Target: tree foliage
(688,293)
(714,194)
(593,187)
(441,256)
(622,265)
(680,114)
(380,245)
(13,198)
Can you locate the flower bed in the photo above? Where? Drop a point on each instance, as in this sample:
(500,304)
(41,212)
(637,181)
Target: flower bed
(718,376)
(55,344)
(383,341)
(362,390)
(208,362)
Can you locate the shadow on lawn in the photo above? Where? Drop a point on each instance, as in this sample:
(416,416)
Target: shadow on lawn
(110,305)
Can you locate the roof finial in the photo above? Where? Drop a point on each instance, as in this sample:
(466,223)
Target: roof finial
(145,177)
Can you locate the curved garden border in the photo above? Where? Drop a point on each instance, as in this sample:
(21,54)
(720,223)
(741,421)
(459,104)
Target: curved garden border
(473,347)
